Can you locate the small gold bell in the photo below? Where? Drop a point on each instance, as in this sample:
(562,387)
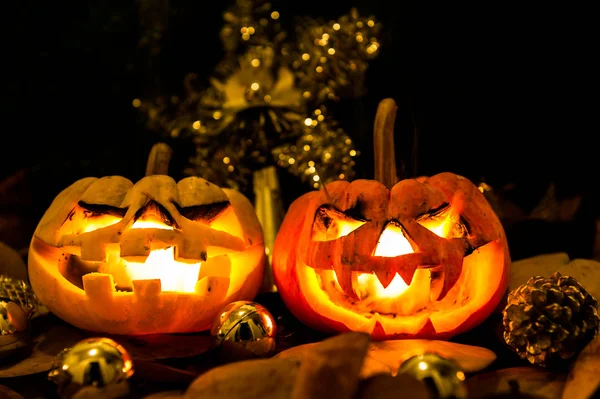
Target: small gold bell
(443,376)
(96,366)
(246,325)
(14,329)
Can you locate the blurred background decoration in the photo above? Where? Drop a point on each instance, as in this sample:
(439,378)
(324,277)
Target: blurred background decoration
(500,94)
(265,104)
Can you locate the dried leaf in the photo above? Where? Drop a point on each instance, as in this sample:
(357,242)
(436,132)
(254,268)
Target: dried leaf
(522,382)
(49,336)
(7,393)
(583,379)
(163,374)
(388,387)
(165,346)
(387,356)
(541,265)
(12,264)
(331,369)
(248,379)
(587,272)
(165,395)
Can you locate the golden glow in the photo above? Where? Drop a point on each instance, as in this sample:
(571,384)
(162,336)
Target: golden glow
(422,366)
(95,223)
(150,224)
(446,224)
(160,264)
(336,26)
(370,284)
(275,15)
(196,125)
(255,62)
(392,242)
(255,86)
(136,102)
(337,228)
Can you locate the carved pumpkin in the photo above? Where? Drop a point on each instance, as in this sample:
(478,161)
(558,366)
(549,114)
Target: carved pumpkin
(154,257)
(426,258)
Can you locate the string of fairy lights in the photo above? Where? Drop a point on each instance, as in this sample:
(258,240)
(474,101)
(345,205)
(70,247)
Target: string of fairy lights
(266,103)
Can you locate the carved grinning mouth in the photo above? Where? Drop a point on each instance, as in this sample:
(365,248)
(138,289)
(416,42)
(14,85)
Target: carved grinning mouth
(398,277)
(150,249)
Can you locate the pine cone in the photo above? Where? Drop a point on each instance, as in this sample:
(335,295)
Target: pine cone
(548,319)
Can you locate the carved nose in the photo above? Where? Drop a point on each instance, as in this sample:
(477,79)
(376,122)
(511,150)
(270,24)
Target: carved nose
(154,212)
(393,242)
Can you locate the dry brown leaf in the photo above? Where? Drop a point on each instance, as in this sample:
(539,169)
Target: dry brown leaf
(49,336)
(7,393)
(165,395)
(587,272)
(387,356)
(541,265)
(331,369)
(583,379)
(522,382)
(156,347)
(388,387)
(12,264)
(248,379)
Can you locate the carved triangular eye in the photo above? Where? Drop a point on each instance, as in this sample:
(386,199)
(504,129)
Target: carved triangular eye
(331,223)
(205,213)
(445,222)
(89,217)
(101,209)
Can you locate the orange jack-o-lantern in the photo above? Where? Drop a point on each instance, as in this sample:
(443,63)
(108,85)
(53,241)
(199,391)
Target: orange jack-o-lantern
(156,257)
(425,258)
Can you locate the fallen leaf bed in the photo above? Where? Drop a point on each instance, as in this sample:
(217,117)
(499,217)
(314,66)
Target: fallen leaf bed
(307,364)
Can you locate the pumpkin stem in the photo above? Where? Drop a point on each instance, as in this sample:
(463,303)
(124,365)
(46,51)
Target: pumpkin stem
(329,200)
(158,160)
(383,143)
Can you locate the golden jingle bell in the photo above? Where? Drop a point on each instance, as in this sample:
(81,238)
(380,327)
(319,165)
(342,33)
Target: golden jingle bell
(245,325)
(97,366)
(443,376)
(14,329)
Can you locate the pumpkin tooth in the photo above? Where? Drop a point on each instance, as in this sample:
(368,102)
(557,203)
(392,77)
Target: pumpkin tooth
(147,289)
(99,287)
(385,277)
(407,274)
(344,278)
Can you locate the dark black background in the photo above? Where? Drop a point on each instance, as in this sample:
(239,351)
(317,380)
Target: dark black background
(499,91)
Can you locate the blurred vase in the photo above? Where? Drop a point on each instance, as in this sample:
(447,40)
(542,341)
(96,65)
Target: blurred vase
(269,208)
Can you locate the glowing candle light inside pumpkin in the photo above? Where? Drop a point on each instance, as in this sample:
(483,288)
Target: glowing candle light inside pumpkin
(174,276)
(391,243)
